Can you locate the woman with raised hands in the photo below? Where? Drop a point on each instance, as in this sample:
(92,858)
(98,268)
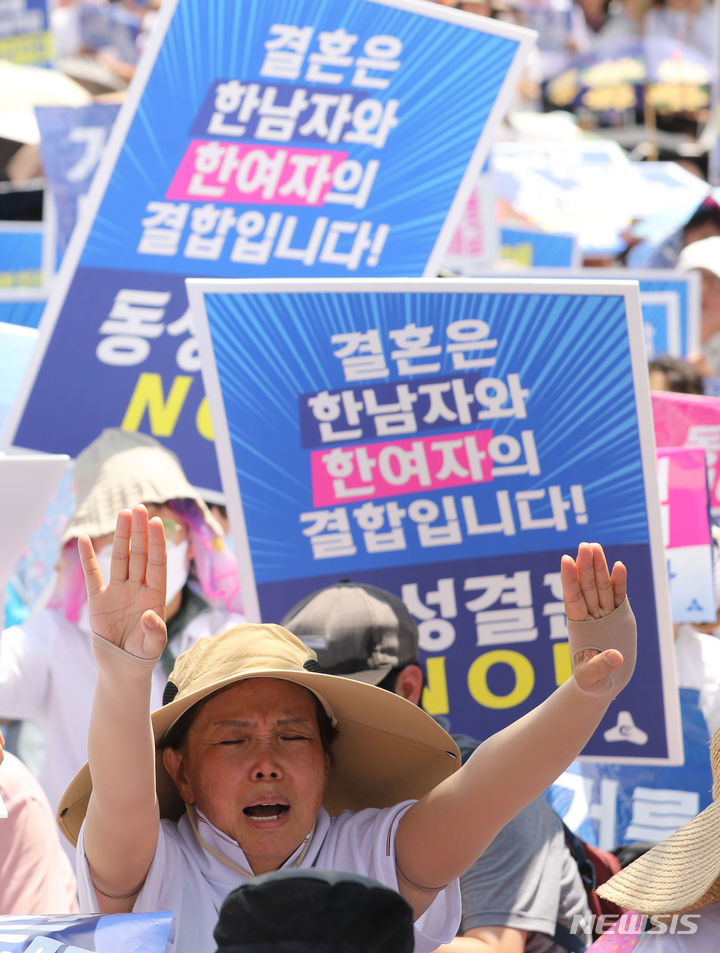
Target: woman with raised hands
(258,760)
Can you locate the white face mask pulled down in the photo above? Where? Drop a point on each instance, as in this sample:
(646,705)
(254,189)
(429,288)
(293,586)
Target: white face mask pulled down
(177,574)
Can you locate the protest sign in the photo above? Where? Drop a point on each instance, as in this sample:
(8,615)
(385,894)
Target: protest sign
(36,566)
(663,324)
(311,138)
(691,420)
(72,140)
(448,440)
(612,804)
(590,188)
(670,302)
(25,32)
(475,242)
(28,480)
(23,307)
(532,248)
(115,27)
(671,310)
(480,246)
(670,196)
(685,508)
(16,347)
(22,257)
(99,933)
(583,187)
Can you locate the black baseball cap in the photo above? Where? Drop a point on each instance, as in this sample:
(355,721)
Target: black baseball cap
(356,629)
(314,911)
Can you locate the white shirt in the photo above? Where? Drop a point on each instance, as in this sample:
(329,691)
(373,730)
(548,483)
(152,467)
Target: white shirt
(188,880)
(47,673)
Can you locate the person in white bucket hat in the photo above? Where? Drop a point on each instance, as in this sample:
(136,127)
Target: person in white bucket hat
(47,672)
(703,256)
(259,761)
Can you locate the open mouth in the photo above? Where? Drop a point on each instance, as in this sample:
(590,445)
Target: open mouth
(266,812)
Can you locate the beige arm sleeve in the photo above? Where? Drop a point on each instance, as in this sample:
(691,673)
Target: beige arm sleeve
(445,832)
(615,631)
(123,819)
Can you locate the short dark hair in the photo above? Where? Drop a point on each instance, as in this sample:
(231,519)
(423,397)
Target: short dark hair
(707,213)
(681,376)
(389,682)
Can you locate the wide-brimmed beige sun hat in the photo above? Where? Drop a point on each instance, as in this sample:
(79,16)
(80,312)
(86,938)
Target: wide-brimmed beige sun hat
(387,749)
(120,469)
(681,873)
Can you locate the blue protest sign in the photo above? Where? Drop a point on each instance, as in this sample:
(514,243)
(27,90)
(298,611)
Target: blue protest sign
(661,317)
(72,141)
(25,32)
(613,804)
(670,302)
(448,440)
(114,27)
(21,256)
(531,248)
(672,195)
(590,188)
(671,310)
(23,308)
(585,187)
(311,138)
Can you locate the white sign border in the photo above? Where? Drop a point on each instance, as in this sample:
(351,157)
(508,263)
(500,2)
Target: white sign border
(197,288)
(118,133)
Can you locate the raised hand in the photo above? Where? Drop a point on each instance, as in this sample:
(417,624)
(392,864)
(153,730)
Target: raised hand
(591,592)
(129,611)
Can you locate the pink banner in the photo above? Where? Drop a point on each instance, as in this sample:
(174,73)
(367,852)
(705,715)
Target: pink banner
(400,466)
(243,172)
(688,420)
(682,477)
(469,238)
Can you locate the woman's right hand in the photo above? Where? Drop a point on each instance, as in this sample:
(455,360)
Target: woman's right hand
(129,611)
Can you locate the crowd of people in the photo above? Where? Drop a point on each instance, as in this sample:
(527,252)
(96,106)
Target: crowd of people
(273,747)
(259,757)
(113,32)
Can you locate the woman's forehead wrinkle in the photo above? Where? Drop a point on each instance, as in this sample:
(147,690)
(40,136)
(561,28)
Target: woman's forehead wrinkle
(248,722)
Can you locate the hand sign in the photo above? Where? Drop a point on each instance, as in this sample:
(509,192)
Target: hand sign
(130,610)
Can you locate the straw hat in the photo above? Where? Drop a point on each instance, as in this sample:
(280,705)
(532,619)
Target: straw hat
(681,873)
(120,469)
(387,749)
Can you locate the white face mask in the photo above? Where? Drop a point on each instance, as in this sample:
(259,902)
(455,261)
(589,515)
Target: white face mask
(177,569)
(177,574)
